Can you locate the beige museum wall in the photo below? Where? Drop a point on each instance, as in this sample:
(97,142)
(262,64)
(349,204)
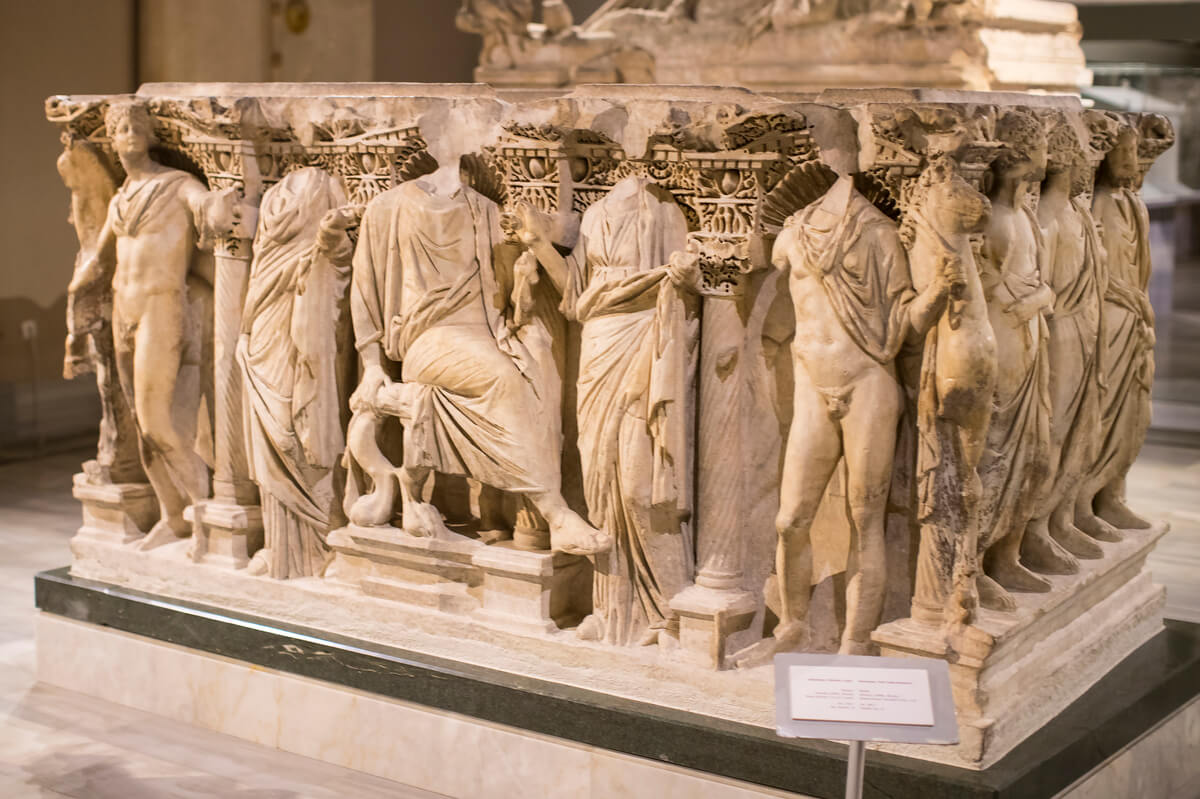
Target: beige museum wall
(46,47)
(111,46)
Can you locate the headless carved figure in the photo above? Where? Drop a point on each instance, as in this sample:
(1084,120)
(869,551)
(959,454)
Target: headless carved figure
(854,307)
(424,295)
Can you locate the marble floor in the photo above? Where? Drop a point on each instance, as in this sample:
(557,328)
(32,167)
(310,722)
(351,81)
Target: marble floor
(55,743)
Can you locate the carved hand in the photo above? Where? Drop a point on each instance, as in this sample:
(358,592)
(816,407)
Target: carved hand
(1022,309)
(85,276)
(1040,299)
(533,227)
(365,397)
(930,303)
(683,267)
(332,229)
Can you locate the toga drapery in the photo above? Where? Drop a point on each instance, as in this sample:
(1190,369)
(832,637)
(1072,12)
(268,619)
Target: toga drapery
(1074,329)
(635,403)
(424,289)
(1014,467)
(294,339)
(1127,347)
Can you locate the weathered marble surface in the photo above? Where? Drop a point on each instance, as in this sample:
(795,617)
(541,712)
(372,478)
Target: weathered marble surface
(782,45)
(612,345)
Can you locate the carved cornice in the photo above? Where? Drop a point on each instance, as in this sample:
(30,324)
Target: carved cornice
(737,166)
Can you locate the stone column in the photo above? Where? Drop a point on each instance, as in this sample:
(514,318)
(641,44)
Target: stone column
(715,613)
(228,528)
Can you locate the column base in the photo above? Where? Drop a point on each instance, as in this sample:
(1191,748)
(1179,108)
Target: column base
(116,513)
(714,623)
(225,534)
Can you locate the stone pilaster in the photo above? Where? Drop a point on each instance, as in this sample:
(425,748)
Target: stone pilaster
(715,613)
(228,528)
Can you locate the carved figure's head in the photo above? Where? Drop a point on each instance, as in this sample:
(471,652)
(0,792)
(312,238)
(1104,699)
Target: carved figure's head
(1121,167)
(1155,137)
(1024,153)
(1064,148)
(130,129)
(946,200)
(1103,128)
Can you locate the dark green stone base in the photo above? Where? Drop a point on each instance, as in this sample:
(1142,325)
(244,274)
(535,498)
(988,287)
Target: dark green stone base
(1143,690)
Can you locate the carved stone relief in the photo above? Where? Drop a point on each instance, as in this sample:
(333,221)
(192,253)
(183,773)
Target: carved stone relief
(651,379)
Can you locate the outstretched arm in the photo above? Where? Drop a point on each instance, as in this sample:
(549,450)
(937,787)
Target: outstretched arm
(928,306)
(535,235)
(92,270)
(930,303)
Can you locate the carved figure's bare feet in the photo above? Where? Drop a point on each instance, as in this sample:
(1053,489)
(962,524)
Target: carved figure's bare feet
(1015,577)
(788,637)
(1118,514)
(1043,554)
(571,534)
(1074,541)
(591,628)
(1097,528)
(161,533)
(259,565)
(993,596)
(425,521)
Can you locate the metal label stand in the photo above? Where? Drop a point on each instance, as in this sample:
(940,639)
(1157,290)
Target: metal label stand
(855,765)
(862,722)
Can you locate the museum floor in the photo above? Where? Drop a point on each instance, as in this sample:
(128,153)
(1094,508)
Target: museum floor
(55,743)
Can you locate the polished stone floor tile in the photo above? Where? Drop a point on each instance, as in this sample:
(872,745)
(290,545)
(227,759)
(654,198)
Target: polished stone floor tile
(56,743)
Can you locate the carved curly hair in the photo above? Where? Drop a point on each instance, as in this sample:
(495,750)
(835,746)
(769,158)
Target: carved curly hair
(1104,129)
(1019,132)
(1065,150)
(1155,136)
(137,113)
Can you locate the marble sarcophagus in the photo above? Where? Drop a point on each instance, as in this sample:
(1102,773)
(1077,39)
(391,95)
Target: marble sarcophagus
(629,388)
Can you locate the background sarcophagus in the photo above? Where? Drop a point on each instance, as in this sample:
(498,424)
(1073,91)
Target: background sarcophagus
(634,387)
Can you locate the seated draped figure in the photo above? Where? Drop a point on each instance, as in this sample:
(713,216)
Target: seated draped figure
(427,309)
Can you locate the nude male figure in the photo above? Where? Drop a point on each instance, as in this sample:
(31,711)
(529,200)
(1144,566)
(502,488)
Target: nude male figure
(855,306)
(153,223)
